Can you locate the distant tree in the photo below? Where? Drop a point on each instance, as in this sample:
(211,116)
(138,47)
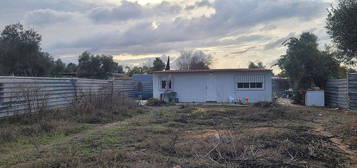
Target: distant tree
(167,67)
(342,26)
(58,67)
(96,66)
(108,66)
(139,70)
(253,65)
(193,60)
(119,69)
(20,52)
(71,68)
(158,65)
(88,66)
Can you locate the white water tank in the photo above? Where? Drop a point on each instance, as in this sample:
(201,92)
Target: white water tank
(315,98)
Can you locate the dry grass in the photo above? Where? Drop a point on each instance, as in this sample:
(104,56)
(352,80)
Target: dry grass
(264,135)
(36,129)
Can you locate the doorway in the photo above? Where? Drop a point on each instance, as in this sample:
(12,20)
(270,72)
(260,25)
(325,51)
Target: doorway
(211,91)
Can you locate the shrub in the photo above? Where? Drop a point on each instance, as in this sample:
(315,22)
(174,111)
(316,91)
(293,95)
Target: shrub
(7,134)
(265,104)
(154,102)
(299,97)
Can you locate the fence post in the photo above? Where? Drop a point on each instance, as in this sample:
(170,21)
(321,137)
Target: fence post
(1,93)
(112,90)
(74,85)
(348,91)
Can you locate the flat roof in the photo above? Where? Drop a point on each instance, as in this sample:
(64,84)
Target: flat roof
(215,70)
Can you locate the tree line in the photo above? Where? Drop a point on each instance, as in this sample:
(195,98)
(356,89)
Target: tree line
(21,55)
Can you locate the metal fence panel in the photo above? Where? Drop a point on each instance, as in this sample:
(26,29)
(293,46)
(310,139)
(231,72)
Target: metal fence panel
(342,92)
(352,90)
(23,94)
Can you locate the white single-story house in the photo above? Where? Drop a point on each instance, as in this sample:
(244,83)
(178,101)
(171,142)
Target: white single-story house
(215,85)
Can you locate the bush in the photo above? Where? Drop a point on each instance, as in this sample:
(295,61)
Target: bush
(265,104)
(7,134)
(154,102)
(299,97)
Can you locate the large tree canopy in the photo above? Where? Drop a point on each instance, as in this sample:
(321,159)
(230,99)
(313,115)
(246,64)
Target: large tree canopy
(20,53)
(342,28)
(305,65)
(193,60)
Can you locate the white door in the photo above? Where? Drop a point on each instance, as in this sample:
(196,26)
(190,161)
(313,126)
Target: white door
(211,91)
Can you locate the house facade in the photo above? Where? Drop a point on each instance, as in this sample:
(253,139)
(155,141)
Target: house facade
(215,85)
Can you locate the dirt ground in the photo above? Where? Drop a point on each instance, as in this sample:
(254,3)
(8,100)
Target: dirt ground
(261,135)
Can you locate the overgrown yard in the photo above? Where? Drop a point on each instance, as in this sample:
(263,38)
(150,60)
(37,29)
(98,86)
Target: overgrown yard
(263,135)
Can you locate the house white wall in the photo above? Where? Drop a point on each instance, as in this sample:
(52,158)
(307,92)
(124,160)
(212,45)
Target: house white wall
(214,86)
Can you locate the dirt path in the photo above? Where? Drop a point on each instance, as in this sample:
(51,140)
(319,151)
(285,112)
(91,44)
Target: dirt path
(150,112)
(76,137)
(339,143)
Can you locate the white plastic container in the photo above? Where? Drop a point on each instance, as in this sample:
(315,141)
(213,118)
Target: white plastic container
(315,98)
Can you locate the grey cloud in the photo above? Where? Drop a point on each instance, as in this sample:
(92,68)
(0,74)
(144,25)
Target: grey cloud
(132,10)
(231,15)
(28,5)
(164,8)
(202,3)
(44,17)
(268,27)
(245,50)
(13,11)
(127,10)
(250,38)
(248,13)
(278,43)
(139,37)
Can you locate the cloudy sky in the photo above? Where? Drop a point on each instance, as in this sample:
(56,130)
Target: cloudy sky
(135,31)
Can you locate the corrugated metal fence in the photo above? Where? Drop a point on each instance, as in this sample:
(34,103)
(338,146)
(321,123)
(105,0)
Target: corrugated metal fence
(352,90)
(145,85)
(23,94)
(342,92)
(336,93)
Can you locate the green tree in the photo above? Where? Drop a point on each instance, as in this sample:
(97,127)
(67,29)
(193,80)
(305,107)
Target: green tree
(96,66)
(20,52)
(108,66)
(139,70)
(58,67)
(194,60)
(305,65)
(253,65)
(158,65)
(168,67)
(342,28)
(71,68)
